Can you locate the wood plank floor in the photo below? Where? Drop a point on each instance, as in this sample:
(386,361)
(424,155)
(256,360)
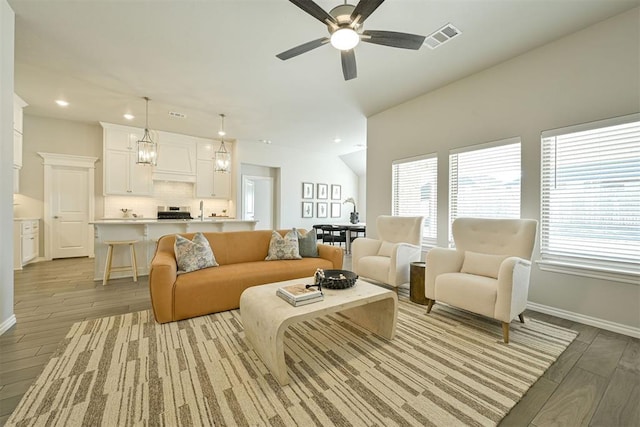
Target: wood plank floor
(595,382)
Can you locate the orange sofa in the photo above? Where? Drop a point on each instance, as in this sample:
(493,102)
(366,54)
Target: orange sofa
(240,255)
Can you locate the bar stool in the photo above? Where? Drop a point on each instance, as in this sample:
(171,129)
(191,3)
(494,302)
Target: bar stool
(133,267)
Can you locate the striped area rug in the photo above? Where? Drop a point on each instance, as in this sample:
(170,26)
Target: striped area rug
(446,368)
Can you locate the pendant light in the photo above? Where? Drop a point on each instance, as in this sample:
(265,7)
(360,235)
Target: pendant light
(222,161)
(147,149)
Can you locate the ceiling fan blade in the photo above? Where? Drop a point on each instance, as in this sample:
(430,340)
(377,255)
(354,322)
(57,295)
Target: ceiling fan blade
(306,47)
(349,70)
(314,10)
(364,9)
(393,39)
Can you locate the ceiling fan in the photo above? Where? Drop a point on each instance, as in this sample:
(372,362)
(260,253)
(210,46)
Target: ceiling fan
(345,25)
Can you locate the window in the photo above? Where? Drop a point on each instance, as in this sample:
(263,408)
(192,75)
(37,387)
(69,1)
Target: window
(415,192)
(590,209)
(484,181)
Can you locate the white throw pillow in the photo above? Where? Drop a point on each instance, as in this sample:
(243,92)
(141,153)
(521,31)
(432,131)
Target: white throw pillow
(283,247)
(482,264)
(386,249)
(193,255)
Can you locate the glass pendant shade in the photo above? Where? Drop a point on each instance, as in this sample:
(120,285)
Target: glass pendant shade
(147,149)
(222,158)
(222,161)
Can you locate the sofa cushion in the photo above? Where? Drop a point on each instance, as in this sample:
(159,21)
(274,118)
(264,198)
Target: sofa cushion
(283,247)
(192,255)
(308,244)
(482,264)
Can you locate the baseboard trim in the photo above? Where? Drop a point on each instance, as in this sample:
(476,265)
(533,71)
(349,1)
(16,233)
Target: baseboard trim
(4,327)
(587,320)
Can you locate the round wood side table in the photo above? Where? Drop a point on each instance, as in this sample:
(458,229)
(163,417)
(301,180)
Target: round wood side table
(416,283)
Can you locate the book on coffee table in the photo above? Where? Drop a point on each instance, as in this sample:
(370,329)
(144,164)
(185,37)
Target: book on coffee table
(299,294)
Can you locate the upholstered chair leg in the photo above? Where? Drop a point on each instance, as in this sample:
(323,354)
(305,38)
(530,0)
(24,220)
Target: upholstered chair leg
(521,317)
(505,332)
(430,304)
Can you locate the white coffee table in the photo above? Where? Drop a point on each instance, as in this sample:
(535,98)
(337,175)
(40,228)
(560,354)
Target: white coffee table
(265,316)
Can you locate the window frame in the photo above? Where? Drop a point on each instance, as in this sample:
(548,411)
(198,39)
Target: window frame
(453,184)
(586,267)
(427,241)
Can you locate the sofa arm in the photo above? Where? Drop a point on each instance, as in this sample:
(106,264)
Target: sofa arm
(513,288)
(335,254)
(402,255)
(162,278)
(440,261)
(362,247)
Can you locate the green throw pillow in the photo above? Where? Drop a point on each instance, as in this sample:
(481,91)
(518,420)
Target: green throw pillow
(193,255)
(308,244)
(283,247)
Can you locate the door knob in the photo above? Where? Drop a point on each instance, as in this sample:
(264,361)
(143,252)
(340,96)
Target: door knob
(56,217)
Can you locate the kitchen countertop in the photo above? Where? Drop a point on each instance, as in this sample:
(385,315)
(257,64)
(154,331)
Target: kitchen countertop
(164,221)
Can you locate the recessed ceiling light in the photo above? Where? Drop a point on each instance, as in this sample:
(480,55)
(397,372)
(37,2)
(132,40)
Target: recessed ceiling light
(129,116)
(62,102)
(337,140)
(265,141)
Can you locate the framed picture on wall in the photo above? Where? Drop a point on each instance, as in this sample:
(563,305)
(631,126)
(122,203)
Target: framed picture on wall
(336,192)
(335,210)
(323,191)
(321,208)
(307,190)
(307,209)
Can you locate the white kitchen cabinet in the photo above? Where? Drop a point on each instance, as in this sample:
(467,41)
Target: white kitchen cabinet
(210,184)
(26,241)
(122,176)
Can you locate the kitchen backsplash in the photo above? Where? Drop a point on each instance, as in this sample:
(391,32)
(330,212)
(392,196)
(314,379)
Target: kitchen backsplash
(164,194)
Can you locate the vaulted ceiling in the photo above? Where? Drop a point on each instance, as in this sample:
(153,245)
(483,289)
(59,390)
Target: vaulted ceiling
(202,58)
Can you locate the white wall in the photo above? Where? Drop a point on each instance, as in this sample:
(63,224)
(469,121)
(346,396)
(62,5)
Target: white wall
(7,318)
(298,166)
(590,75)
(43,134)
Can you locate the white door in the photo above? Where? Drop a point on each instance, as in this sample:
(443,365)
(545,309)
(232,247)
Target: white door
(70,212)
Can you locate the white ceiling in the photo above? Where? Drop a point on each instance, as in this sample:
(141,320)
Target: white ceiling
(202,58)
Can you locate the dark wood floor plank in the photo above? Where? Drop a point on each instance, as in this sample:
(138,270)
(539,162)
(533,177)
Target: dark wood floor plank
(630,359)
(525,411)
(574,401)
(620,405)
(566,361)
(603,354)
(15,389)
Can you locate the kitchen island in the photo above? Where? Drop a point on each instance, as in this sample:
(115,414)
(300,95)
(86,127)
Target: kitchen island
(147,232)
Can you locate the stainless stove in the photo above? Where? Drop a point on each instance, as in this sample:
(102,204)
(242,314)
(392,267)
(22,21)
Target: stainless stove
(174,212)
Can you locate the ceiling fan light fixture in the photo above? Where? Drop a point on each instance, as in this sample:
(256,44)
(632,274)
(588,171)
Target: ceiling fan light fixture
(345,38)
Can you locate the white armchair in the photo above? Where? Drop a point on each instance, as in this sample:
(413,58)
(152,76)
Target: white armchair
(387,258)
(488,271)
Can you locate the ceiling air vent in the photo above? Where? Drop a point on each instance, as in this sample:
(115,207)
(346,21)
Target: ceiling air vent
(177,115)
(440,37)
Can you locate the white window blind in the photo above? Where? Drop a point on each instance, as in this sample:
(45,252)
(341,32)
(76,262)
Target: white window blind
(415,192)
(590,210)
(484,180)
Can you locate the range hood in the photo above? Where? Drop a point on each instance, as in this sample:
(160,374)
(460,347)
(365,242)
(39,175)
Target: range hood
(176,162)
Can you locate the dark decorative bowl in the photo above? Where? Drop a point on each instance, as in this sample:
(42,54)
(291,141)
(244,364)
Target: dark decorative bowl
(332,279)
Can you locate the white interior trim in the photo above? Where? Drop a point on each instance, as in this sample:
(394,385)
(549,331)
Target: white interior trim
(587,320)
(4,327)
(66,160)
